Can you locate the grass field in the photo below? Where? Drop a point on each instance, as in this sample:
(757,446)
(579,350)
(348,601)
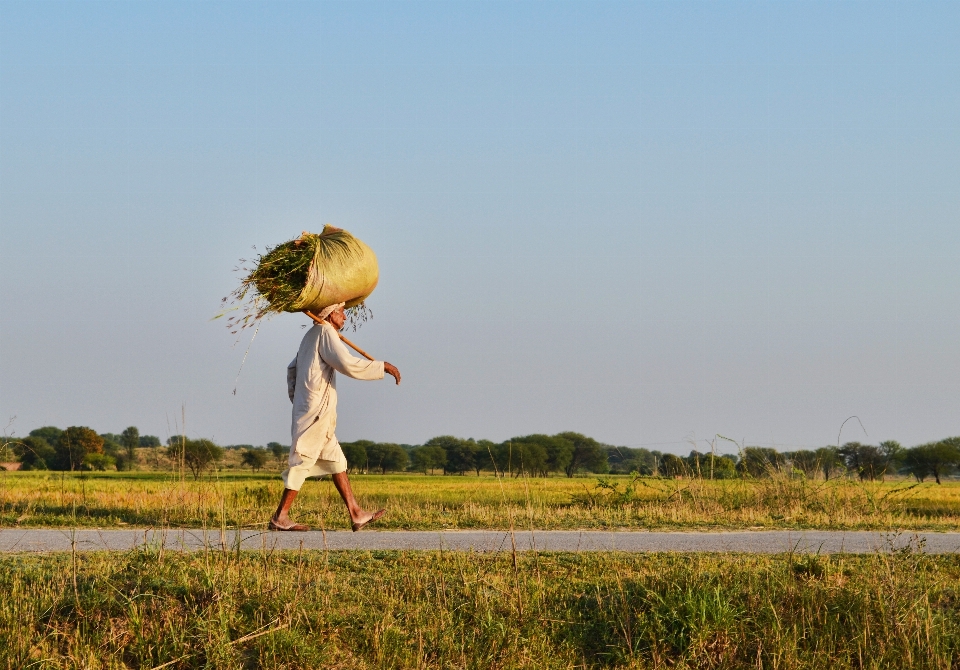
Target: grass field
(144,609)
(151,499)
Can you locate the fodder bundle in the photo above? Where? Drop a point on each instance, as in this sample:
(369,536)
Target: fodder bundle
(308,273)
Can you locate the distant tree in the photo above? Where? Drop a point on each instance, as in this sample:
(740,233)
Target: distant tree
(34,453)
(49,433)
(559,453)
(709,466)
(830,460)
(936,459)
(356,454)
(279,452)
(74,445)
(761,462)
(805,461)
(523,456)
(197,455)
(255,458)
(624,460)
(673,466)
(113,451)
(428,458)
(539,454)
(387,456)
(894,455)
(149,441)
(868,461)
(588,454)
(460,453)
(483,455)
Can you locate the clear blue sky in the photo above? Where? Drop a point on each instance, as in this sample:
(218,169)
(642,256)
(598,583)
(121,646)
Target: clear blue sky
(641,221)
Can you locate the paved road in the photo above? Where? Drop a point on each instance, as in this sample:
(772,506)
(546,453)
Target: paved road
(759,542)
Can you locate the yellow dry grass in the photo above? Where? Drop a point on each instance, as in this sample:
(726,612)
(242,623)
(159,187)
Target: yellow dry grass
(434,502)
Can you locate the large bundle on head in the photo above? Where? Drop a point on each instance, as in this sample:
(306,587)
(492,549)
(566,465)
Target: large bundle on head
(309,273)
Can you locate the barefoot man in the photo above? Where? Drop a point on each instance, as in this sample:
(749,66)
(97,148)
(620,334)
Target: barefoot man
(312,385)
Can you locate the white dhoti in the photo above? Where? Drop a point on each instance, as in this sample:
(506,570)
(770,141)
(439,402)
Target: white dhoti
(312,386)
(301,469)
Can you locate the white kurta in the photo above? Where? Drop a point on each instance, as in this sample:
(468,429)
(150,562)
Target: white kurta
(312,384)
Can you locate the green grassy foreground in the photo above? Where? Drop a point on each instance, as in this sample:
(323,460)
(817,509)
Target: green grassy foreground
(431,610)
(419,502)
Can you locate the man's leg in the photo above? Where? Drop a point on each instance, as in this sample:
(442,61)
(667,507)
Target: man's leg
(293,478)
(358,516)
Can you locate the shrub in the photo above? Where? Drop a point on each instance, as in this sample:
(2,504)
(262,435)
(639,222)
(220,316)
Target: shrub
(255,458)
(197,455)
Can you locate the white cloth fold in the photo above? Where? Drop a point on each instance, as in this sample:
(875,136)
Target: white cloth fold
(312,386)
(327,311)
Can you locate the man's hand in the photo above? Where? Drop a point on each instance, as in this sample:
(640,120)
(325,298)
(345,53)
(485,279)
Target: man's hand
(392,370)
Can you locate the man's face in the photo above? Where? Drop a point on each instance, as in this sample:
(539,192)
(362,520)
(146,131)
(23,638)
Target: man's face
(337,318)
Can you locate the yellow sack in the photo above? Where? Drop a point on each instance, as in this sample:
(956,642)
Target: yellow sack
(308,273)
(343,269)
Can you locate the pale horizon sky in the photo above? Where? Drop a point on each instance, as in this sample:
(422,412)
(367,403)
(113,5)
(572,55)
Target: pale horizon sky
(647,222)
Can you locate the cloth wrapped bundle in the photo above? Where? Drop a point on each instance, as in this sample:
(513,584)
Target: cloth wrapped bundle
(343,269)
(315,271)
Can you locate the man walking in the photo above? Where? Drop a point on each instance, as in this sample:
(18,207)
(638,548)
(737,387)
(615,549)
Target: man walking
(312,385)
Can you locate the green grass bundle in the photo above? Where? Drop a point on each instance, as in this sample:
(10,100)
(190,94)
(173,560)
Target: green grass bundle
(310,273)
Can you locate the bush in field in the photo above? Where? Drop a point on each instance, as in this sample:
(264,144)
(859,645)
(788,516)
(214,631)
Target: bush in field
(588,454)
(74,445)
(255,458)
(935,459)
(386,456)
(197,455)
(148,441)
(99,462)
(356,454)
(428,457)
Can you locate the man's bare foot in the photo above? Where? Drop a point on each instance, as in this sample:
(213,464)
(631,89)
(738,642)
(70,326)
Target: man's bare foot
(365,518)
(285,523)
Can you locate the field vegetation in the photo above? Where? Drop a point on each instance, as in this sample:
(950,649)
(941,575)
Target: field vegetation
(227,609)
(425,502)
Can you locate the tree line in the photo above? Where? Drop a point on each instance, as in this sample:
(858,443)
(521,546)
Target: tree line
(77,448)
(538,455)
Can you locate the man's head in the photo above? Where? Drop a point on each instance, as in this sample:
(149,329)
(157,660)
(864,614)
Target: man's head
(334,315)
